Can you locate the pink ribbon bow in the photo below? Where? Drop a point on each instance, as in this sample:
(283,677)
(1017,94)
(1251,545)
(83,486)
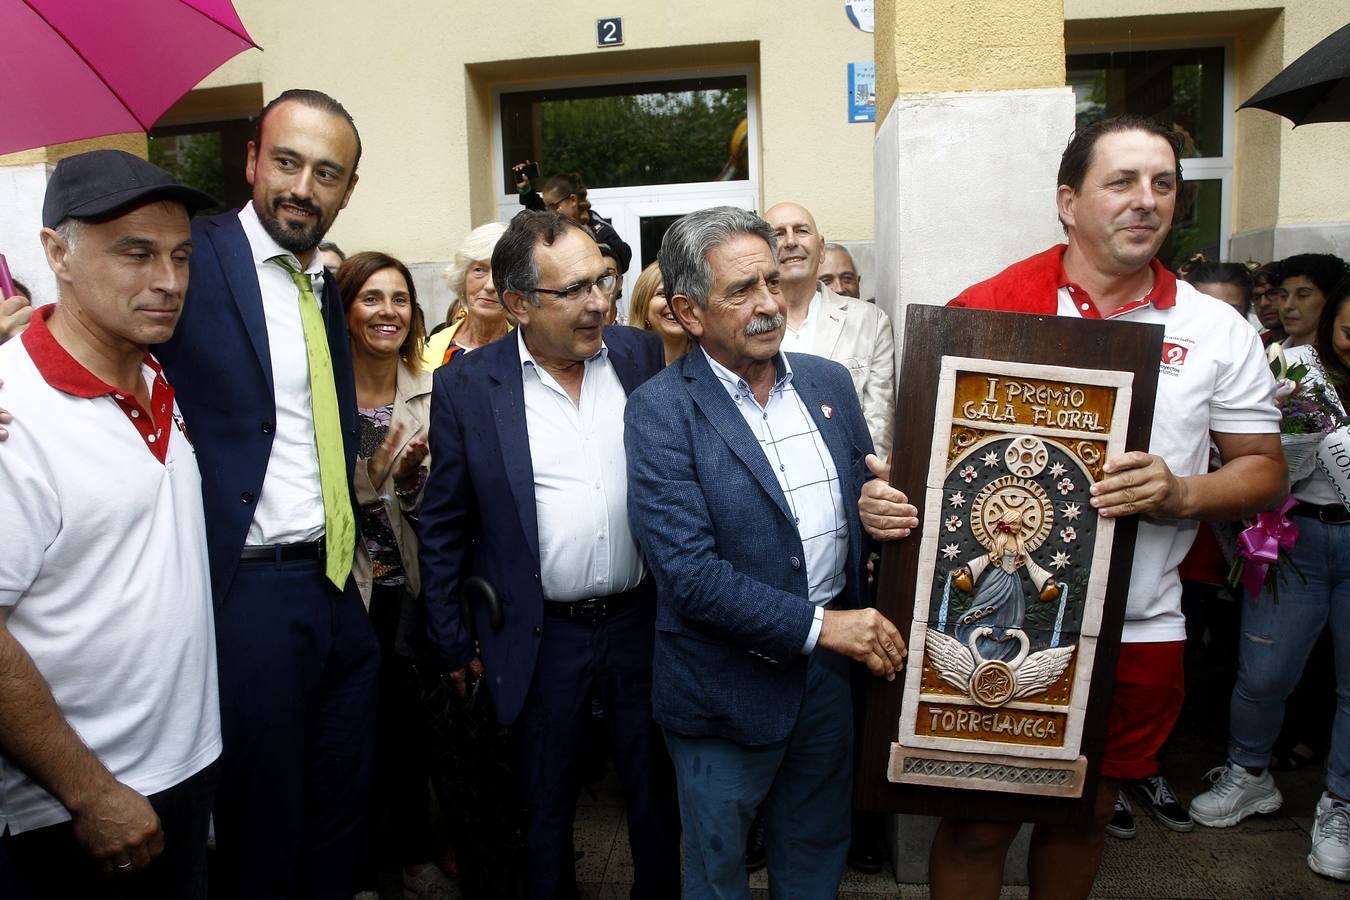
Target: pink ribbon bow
(1260,545)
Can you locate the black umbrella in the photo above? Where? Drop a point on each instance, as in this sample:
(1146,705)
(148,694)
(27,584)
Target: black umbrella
(1313,88)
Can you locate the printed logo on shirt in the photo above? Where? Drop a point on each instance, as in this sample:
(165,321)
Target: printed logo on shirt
(1174,352)
(182,426)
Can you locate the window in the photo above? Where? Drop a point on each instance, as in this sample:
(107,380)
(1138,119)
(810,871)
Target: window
(1189,88)
(675,131)
(208,157)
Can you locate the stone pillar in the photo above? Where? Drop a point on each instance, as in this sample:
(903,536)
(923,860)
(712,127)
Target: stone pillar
(23,182)
(973,115)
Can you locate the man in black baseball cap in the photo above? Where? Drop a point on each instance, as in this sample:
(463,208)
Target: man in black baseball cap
(109,722)
(101,183)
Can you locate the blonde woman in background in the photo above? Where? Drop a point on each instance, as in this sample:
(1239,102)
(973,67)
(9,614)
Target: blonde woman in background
(649,311)
(476,316)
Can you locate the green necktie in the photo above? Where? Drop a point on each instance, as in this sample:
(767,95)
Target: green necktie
(339,520)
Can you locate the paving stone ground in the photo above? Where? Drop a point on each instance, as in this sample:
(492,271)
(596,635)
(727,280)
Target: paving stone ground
(1263,857)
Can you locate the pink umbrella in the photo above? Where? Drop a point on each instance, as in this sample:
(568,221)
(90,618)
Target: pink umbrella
(83,68)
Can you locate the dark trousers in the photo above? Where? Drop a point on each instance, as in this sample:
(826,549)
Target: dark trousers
(398,823)
(613,658)
(803,783)
(49,863)
(298,670)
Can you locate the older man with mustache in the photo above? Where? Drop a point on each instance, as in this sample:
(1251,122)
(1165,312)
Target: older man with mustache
(750,494)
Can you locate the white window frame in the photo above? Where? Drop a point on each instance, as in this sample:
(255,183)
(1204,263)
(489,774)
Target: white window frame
(1200,168)
(731,192)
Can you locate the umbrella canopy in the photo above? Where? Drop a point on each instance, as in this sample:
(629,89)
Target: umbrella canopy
(1315,87)
(83,68)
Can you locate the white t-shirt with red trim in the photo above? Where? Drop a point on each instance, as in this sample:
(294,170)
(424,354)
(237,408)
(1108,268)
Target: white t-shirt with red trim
(104,571)
(1213,377)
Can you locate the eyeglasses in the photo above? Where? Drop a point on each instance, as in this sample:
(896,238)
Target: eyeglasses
(581,289)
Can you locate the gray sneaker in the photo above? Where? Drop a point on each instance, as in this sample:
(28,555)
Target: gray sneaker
(1330,855)
(1235,795)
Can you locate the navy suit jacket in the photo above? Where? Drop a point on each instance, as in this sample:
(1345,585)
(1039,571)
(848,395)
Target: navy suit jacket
(732,609)
(220,366)
(478,512)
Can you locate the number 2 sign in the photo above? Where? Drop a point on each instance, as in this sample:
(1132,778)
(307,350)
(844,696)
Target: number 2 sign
(609,32)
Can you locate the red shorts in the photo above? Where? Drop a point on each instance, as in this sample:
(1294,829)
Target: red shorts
(1150,685)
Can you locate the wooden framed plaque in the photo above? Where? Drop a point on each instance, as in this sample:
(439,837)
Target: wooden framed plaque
(1011,594)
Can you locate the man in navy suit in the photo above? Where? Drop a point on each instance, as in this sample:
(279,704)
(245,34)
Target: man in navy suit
(528,490)
(265,383)
(749,492)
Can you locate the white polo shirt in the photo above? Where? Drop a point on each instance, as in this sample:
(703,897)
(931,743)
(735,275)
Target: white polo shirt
(1213,377)
(104,571)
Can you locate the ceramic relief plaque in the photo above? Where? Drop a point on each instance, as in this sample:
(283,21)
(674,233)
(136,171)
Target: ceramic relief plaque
(1012,574)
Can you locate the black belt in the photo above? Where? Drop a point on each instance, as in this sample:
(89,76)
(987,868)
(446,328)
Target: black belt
(1331,514)
(592,610)
(285,552)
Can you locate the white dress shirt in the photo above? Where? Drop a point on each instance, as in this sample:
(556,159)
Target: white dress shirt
(803,339)
(586,548)
(290,505)
(806,472)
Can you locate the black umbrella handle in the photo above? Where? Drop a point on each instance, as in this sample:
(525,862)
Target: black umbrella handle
(476,584)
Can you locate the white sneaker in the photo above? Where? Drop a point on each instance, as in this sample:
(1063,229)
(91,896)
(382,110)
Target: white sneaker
(1235,795)
(1330,854)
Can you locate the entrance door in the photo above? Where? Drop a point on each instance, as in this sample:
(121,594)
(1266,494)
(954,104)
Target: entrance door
(649,151)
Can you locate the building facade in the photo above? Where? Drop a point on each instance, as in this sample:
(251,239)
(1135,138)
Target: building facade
(745,104)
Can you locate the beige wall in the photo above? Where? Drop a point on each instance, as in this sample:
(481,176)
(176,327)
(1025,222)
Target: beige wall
(419,77)
(926,46)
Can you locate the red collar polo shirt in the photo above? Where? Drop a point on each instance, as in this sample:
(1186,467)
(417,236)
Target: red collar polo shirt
(104,571)
(1212,377)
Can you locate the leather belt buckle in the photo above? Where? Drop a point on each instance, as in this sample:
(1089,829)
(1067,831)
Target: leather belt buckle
(1334,514)
(590,611)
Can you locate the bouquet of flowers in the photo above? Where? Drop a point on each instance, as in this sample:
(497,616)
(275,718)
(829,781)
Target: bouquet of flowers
(1308,413)
(1262,548)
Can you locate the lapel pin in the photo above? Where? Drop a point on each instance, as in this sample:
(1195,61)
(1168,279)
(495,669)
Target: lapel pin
(828,410)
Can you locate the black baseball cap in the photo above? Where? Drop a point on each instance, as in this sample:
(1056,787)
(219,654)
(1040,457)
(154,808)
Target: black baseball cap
(98,183)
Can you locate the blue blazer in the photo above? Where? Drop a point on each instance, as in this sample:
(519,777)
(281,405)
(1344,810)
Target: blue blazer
(478,511)
(220,366)
(732,609)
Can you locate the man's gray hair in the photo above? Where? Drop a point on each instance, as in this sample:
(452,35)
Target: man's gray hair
(71,230)
(684,250)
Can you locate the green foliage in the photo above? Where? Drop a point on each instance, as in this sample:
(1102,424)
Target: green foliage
(638,139)
(196,162)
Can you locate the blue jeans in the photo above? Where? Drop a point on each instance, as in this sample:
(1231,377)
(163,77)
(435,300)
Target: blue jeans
(803,783)
(1275,642)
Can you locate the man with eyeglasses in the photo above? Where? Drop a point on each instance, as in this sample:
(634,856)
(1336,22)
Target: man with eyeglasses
(1266,297)
(528,490)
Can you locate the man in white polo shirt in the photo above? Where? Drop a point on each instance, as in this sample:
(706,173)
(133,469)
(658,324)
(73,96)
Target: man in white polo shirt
(109,719)
(1118,181)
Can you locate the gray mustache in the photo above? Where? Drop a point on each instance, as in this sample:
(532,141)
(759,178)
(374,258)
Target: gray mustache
(764,324)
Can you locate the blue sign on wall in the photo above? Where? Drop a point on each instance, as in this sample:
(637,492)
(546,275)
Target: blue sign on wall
(862,92)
